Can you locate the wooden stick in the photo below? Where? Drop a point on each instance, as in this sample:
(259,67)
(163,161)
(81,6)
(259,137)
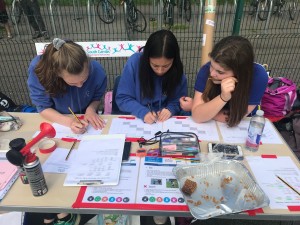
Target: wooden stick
(287,184)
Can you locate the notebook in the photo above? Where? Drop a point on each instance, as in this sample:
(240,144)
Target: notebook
(7,171)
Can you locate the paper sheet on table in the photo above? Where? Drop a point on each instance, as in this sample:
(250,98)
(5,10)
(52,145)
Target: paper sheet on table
(205,131)
(57,163)
(98,161)
(120,194)
(157,184)
(238,134)
(134,128)
(66,132)
(266,170)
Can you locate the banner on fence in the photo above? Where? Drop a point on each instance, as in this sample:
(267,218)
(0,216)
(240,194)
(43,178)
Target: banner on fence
(103,49)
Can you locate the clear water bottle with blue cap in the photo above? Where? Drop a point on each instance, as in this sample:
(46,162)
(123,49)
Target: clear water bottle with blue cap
(255,130)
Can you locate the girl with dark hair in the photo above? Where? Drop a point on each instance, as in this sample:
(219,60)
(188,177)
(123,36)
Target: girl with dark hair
(230,86)
(64,77)
(152,81)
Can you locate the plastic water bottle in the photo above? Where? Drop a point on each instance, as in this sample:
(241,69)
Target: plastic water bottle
(255,130)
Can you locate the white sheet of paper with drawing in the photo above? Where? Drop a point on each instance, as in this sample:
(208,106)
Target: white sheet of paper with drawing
(134,128)
(266,170)
(123,193)
(57,163)
(238,134)
(205,131)
(98,161)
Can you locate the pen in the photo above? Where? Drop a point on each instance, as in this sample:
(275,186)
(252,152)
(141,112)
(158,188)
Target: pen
(72,147)
(150,109)
(287,184)
(76,117)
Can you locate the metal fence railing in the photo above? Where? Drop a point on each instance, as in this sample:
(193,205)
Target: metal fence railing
(275,40)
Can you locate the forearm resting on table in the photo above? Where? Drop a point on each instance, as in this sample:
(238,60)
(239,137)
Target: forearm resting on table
(54,116)
(202,112)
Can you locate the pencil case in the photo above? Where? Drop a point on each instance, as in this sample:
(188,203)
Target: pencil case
(184,144)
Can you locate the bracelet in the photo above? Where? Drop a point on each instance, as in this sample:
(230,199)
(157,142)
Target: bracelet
(222,98)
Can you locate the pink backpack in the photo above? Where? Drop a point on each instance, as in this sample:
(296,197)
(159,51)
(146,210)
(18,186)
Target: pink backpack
(108,102)
(279,97)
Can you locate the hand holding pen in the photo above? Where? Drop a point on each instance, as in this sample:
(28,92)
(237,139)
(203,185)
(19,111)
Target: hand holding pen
(151,116)
(78,126)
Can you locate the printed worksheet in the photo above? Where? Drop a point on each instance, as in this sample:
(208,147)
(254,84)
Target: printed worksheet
(123,193)
(157,184)
(134,128)
(205,131)
(239,133)
(98,161)
(267,171)
(57,163)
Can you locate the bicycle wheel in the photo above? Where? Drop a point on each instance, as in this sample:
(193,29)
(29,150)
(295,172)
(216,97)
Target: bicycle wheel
(16,12)
(168,14)
(129,29)
(187,10)
(131,12)
(140,23)
(106,11)
(264,9)
(253,7)
(292,9)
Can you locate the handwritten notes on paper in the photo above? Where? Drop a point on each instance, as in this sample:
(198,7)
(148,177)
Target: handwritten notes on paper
(98,161)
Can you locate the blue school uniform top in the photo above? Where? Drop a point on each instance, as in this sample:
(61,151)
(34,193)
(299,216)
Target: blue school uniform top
(259,82)
(128,97)
(76,98)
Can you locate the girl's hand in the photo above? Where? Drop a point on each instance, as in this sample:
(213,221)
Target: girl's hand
(186,103)
(227,87)
(94,119)
(163,115)
(150,118)
(78,128)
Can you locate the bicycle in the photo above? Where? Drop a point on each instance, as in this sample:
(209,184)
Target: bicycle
(106,11)
(16,12)
(168,12)
(293,5)
(187,8)
(263,7)
(134,19)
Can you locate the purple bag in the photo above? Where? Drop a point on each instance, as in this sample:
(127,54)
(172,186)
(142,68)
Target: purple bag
(279,97)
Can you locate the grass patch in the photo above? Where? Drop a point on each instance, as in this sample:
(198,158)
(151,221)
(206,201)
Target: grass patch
(180,27)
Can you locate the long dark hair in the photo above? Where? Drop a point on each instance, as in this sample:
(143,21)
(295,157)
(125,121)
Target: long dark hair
(233,53)
(161,43)
(70,57)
